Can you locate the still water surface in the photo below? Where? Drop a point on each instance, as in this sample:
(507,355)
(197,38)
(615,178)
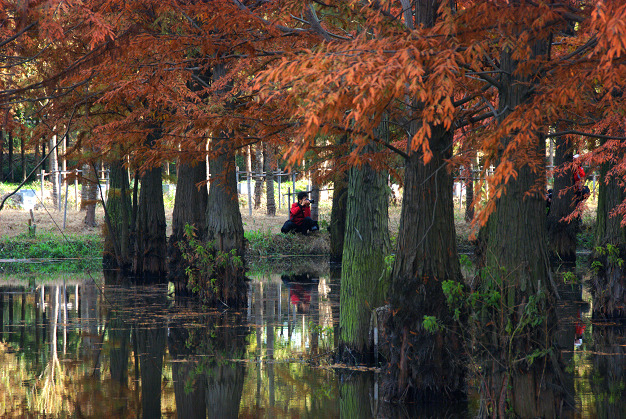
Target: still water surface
(75,348)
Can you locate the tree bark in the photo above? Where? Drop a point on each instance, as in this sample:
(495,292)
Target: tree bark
(118,212)
(608,282)
(23,157)
(363,280)
(515,271)
(338,213)
(11,177)
(190,205)
(270,167)
(429,364)
(424,364)
(53,168)
(2,137)
(561,234)
(469,194)
(315,195)
(88,194)
(224,225)
(258,179)
(149,262)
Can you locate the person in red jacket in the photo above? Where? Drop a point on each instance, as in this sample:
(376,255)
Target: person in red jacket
(581,191)
(300,216)
(579,173)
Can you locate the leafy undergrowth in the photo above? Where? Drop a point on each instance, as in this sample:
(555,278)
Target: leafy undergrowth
(51,253)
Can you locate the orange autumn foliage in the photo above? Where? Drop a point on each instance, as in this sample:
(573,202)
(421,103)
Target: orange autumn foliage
(293,71)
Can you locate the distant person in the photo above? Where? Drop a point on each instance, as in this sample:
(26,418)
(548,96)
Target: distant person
(300,216)
(581,191)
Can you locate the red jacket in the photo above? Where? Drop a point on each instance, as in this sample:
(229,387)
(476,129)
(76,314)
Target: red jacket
(298,213)
(579,176)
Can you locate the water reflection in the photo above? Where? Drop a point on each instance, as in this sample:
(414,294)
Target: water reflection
(80,349)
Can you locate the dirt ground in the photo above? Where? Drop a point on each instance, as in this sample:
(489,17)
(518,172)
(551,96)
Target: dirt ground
(14,222)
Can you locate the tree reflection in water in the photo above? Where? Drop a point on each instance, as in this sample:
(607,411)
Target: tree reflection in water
(127,351)
(207,366)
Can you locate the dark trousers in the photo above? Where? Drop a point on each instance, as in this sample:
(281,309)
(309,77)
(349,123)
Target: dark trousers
(308,224)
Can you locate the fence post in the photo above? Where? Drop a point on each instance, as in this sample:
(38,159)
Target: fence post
(43,173)
(67,185)
(59,176)
(249,193)
(288,200)
(76,189)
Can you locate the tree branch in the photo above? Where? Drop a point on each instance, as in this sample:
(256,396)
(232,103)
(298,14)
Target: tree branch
(6,41)
(585,134)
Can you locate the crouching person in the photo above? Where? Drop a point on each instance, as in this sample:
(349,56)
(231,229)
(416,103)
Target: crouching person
(300,216)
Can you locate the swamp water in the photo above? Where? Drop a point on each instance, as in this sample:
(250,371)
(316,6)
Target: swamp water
(74,348)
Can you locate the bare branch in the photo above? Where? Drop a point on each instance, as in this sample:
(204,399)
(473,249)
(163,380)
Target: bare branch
(585,134)
(6,41)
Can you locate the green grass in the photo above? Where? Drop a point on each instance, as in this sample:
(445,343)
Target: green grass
(264,243)
(72,253)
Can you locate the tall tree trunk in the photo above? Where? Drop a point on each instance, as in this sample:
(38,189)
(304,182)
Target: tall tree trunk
(315,195)
(608,283)
(37,154)
(23,157)
(515,271)
(117,247)
(53,168)
(10,141)
(270,167)
(2,137)
(469,193)
(150,246)
(258,179)
(225,227)
(424,363)
(89,194)
(338,212)
(190,205)
(363,279)
(561,234)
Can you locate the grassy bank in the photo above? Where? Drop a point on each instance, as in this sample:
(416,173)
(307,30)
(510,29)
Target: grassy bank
(50,253)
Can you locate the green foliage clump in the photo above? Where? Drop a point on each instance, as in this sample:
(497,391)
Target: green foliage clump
(492,304)
(205,263)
